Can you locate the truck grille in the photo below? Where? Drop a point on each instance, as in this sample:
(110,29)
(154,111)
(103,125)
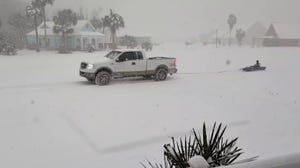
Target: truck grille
(83,65)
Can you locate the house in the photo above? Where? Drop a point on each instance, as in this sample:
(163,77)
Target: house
(84,35)
(252,31)
(282,35)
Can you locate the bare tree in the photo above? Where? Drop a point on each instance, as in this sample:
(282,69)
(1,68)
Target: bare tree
(21,25)
(240,35)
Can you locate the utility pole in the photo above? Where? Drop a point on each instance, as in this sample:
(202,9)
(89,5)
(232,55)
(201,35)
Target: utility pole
(217,41)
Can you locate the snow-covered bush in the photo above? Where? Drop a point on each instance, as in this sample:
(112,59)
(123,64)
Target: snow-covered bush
(7,45)
(147,46)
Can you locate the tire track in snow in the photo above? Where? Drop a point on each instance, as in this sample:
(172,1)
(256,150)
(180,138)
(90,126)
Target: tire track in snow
(134,144)
(43,86)
(213,72)
(68,83)
(34,85)
(85,138)
(157,139)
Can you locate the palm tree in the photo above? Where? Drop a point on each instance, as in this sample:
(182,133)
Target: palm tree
(232,20)
(115,22)
(34,10)
(63,24)
(105,23)
(43,4)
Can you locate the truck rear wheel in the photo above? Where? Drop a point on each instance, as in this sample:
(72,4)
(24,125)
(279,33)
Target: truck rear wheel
(161,74)
(102,78)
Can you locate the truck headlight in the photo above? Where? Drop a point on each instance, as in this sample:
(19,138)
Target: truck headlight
(90,66)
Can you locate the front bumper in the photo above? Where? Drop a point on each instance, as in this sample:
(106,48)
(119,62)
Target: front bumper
(87,75)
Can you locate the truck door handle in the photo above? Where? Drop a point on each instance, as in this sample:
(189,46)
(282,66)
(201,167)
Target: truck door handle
(133,63)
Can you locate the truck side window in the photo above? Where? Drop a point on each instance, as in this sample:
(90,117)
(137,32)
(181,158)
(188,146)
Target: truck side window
(139,55)
(127,56)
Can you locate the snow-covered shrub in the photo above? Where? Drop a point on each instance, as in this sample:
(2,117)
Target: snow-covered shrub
(128,41)
(148,46)
(64,50)
(7,45)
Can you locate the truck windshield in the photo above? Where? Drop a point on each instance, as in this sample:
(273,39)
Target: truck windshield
(112,54)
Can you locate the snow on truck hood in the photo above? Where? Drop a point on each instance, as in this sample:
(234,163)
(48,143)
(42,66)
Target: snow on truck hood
(103,60)
(99,60)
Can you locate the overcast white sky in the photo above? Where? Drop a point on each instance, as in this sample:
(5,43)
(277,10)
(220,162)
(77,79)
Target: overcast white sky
(181,19)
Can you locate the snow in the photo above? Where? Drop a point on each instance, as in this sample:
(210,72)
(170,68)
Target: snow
(198,162)
(51,117)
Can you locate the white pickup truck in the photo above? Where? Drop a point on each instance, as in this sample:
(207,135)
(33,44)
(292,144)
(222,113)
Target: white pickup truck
(127,63)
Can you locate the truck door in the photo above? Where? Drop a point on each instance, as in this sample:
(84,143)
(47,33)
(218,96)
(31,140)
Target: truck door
(140,63)
(126,64)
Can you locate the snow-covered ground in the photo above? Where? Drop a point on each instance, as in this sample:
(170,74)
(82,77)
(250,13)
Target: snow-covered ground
(50,117)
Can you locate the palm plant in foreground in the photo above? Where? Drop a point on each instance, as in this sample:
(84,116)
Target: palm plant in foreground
(212,147)
(215,149)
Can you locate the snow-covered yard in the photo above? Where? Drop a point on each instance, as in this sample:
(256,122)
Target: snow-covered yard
(50,117)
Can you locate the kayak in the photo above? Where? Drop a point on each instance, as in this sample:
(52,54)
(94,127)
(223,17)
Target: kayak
(254,68)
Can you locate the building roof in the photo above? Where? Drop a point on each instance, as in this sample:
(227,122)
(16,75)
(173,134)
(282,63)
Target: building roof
(286,31)
(83,28)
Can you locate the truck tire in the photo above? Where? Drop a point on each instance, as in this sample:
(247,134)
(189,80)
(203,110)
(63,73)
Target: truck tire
(103,78)
(161,74)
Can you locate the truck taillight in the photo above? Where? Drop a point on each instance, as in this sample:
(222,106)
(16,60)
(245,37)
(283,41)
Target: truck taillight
(174,63)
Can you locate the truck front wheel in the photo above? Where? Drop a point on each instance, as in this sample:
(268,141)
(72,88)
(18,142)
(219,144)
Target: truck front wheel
(102,78)
(161,74)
